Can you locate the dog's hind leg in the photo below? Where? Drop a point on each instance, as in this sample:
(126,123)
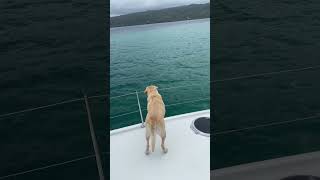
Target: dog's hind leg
(163,138)
(147,152)
(153,139)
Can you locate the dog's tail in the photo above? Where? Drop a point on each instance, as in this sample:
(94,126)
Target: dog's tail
(153,139)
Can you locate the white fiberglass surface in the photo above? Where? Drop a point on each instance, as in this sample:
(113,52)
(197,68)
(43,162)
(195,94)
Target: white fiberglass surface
(188,154)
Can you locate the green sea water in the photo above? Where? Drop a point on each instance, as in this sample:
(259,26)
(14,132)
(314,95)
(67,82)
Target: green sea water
(174,56)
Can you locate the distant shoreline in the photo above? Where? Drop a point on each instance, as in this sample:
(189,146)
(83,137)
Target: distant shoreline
(180,13)
(158,23)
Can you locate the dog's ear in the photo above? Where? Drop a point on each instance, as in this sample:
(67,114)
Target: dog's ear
(146,90)
(153,86)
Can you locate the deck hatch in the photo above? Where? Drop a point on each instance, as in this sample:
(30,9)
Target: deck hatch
(201,126)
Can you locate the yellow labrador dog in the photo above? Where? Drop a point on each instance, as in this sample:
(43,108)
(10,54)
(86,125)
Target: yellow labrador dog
(155,119)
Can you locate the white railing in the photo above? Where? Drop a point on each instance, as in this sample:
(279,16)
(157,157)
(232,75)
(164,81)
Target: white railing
(175,104)
(50,166)
(141,116)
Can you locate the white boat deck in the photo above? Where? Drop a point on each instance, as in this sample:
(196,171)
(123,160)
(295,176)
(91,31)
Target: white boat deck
(274,169)
(188,154)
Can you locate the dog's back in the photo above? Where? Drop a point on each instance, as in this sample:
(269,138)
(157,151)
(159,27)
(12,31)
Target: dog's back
(156,110)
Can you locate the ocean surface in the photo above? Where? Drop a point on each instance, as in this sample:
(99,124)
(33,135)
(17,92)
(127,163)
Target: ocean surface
(174,56)
(252,37)
(51,51)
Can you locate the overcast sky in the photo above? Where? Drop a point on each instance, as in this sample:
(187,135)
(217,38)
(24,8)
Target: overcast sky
(120,7)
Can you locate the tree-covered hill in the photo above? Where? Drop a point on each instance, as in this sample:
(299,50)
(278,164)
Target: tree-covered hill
(193,11)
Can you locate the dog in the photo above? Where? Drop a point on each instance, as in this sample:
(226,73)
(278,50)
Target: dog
(155,119)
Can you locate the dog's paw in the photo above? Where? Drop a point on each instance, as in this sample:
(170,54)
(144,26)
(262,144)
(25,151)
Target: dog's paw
(165,150)
(147,152)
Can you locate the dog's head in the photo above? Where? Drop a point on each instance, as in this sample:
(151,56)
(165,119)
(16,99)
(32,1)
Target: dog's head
(150,89)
